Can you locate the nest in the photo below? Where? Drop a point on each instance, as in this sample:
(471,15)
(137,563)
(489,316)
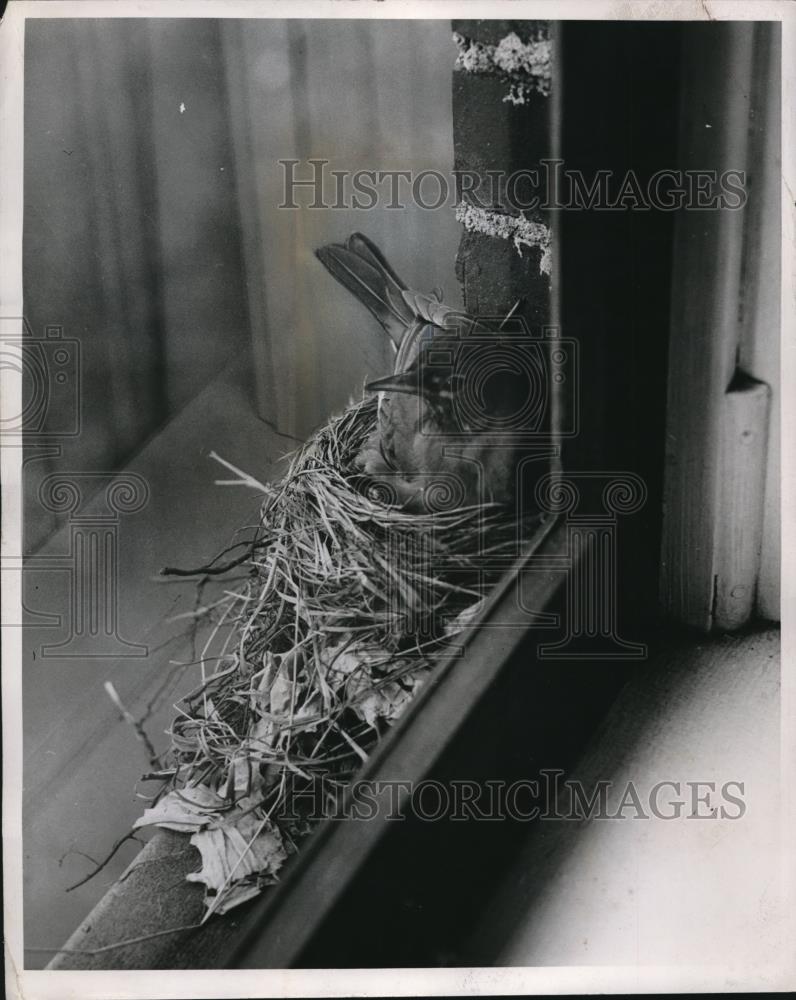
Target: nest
(348,603)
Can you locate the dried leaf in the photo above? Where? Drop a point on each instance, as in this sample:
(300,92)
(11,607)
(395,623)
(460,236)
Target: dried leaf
(386,702)
(390,700)
(344,661)
(242,771)
(237,894)
(321,628)
(185,810)
(234,850)
(465,617)
(281,691)
(261,733)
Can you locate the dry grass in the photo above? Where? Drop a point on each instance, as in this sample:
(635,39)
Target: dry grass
(347,604)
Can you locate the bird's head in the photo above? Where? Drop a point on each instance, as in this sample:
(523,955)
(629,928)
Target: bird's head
(433,384)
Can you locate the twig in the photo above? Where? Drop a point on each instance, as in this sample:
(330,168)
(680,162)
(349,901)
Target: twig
(119,944)
(128,836)
(211,569)
(345,598)
(208,570)
(154,757)
(244,479)
(81,854)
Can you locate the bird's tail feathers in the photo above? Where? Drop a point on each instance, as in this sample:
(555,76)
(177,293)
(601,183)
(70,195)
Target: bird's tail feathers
(360,266)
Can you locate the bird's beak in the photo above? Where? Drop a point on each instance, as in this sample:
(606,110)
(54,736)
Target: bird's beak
(401,382)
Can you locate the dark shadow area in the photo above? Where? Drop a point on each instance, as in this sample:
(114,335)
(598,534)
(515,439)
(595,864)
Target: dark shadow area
(424,889)
(616,270)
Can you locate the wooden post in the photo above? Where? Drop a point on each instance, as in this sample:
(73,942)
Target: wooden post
(504,128)
(502,124)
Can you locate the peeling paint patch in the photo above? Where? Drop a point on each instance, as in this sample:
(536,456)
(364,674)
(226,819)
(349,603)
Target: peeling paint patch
(522,232)
(525,66)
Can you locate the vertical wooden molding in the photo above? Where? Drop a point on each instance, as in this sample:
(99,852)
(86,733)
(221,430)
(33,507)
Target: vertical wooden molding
(243,131)
(705,325)
(202,294)
(261,67)
(759,354)
(739,521)
(120,344)
(559,406)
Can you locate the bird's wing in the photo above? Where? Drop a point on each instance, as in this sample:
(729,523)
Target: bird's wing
(361,268)
(432,310)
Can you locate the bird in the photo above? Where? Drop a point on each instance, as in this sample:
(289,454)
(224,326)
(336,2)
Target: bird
(444,436)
